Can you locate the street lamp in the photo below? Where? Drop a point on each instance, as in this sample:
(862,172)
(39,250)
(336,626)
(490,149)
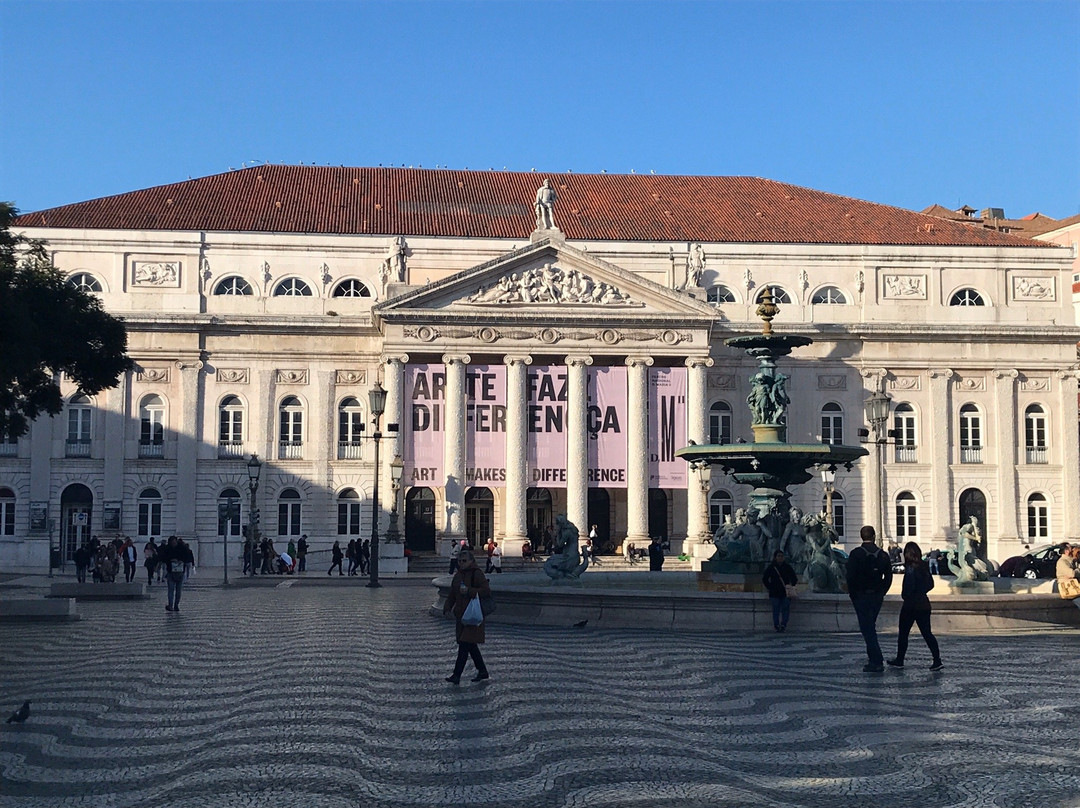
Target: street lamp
(397,469)
(877,413)
(254,469)
(704,474)
(377,402)
(828,480)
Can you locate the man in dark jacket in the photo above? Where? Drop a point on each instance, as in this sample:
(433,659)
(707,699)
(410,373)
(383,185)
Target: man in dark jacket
(656,556)
(869,576)
(173,556)
(778,576)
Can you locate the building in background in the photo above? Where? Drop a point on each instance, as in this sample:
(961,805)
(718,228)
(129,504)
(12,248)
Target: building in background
(535,370)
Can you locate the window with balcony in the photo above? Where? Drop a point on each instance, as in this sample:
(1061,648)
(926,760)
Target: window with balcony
(966,297)
(348,513)
(829,296)
(720,423)
(904,433)
(1038,518)
(232,286)
(721,506)
(231,427)
(149,510)
(832,424)
(351,288)
(291,429)
(907,516)
(720,294)
(971,443)
(1035,434)
(292,287)
(85,282)
(9,446)
(229,512)
(350,429)
(78,435)
(7,512)
(151,427)
(289,512)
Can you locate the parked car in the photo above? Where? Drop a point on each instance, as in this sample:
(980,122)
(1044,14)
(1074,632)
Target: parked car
(1037,563)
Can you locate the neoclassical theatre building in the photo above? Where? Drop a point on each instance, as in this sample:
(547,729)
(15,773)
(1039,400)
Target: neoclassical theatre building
(546,343)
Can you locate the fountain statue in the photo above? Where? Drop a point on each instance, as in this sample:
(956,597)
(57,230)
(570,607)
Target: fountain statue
(566,562)
(969,568)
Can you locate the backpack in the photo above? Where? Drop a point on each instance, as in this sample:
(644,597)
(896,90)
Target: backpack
(867,574)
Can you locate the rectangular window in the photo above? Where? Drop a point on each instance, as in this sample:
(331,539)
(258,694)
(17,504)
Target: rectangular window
(832,429)
(348,515)
(720,428)
(906,524)
(231,425)
(149,518)
(288,518)
(7,517)
(79,424)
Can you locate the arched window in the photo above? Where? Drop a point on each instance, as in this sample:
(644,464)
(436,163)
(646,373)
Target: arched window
(7,512)
(288,513)
(971,444)
(720,423)
(720,294)
(350,429)
(85,282)
(291,431)
(1038,517)
(907,516)
(151,426)
(1035,433)
(829,296)
(780,296)
(233,285)
(348,513)
(230,427)
(721,506)
(832,423)
(966,297)
(78,437)
(292,287)
(229,512)
(904,432)
(149,508)
(351,288)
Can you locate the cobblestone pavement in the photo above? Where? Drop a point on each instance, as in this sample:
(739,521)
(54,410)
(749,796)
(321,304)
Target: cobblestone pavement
(300,695)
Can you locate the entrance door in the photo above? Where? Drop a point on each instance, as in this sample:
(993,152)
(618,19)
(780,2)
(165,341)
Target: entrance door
(973,503)
(537,514)
(420,520)
(76,512)
(479,515)
(599,510)
(658,514)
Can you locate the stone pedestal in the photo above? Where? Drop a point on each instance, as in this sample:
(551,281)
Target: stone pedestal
(392,559)
(972,588)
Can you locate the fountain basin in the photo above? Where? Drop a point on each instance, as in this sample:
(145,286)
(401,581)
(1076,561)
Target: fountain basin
(767,464)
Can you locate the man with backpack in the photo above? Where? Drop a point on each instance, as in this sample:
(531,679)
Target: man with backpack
(869,576)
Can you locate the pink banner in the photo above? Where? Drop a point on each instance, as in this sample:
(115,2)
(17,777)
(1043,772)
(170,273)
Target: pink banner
(547,427)
(607,419)
(425,424)
(485,426)
(667,427)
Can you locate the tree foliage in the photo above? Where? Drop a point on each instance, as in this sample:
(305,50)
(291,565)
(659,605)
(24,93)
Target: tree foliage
(48,326)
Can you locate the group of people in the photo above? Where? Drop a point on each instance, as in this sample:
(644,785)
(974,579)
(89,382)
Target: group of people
(357,553)
(172,560)
(262,558)
(102,560)
(494,556)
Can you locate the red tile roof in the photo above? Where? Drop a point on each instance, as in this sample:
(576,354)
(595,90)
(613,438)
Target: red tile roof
(498,204)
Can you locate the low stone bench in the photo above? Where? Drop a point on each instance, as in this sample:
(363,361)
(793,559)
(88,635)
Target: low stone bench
(59,610)
(90,591)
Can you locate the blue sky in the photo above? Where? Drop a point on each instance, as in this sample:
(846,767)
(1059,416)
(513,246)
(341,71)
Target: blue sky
(904,103)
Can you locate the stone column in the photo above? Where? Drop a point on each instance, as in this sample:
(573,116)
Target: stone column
(697,497)
(187,444)
(1008,527)
(942,442)
(877,513)
(637,450)
(454,448)
(1068,441)
(515,528)
(393,381)
(577,442)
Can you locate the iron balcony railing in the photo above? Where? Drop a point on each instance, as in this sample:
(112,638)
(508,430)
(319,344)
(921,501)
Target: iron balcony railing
(79,447)
(290,450)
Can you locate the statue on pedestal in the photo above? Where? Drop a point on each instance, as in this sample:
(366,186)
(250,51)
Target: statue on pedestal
(566,562)
(754,534)
(695,266)
(969,567)
(545,206)
(793,541)
(823,572)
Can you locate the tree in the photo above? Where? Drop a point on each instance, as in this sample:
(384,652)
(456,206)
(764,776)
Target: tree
(48,326)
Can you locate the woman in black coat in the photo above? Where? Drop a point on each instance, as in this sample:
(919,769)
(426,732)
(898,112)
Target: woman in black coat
(777,578)
(916,609)
(336,557)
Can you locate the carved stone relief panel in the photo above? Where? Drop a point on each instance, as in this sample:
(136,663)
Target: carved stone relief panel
(291,377)
(903,286)
(1039,289)
(906,383)
(351,377)
(832,381)
(970,383)
(232,375)
(155,375)
(162,274)
(723,381)
(550,284)
(1035,384)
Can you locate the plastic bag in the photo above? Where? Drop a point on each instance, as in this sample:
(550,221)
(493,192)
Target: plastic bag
(473,615)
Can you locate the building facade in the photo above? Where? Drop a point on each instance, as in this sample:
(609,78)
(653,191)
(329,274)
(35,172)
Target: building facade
(533,370)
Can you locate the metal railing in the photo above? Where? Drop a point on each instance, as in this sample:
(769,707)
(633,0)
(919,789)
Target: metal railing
(971,454)
(290,450)
(230,448)
(77,448)
(151,450)
(348,450)
(906,454)
(1036,454)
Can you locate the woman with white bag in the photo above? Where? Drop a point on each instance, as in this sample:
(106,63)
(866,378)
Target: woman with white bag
(1065,571)
(469,583)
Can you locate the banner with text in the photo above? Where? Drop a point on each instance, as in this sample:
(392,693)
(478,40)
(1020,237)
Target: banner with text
(667,427)
(547,427)
(423,430)
(607,419)
(485,426)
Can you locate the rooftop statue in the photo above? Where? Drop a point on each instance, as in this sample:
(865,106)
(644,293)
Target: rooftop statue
(695,266)
(545,206)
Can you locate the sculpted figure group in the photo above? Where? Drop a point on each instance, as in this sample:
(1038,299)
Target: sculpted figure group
(768,399)
(969,567)
(549,284)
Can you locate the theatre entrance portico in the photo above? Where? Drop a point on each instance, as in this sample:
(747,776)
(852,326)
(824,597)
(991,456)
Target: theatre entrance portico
(548,369)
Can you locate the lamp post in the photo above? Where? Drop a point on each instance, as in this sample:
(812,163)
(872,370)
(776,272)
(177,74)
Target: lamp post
(877,413)
(397,469)
(377,402)
(704,474)
(232,509)
(828,484)
(254,469)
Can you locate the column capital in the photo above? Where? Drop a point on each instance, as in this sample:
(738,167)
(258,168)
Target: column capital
(940,373)
(1068,373)
(1006,373)
(636,361)
(450,359)
(699,362)
(517,359)
(573,361)
(390,359)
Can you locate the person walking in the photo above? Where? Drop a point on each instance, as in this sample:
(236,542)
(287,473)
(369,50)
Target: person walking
(301,553)
(933,561)
(1065,572)
(173,556)
(150,551)
(336,558)
(455,550)
(778,577)
(365,556)
(656,555)
(916,609)
(267,550)
(490,548)
(353,556)
(869,576)
(468,582)
(82,562)
(496,559)
(130,556)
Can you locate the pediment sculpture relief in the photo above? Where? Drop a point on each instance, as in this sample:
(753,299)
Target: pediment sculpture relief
(550,284)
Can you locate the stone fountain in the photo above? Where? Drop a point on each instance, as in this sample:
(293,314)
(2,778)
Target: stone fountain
(770,464)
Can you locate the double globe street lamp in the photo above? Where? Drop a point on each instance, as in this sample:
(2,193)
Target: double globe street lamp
(254,470)
(377,403)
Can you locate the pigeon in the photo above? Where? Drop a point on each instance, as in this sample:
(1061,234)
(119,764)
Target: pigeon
(20,715)
(582,624)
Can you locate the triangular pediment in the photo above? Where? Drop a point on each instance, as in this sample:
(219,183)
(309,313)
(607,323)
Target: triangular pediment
(547,279)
